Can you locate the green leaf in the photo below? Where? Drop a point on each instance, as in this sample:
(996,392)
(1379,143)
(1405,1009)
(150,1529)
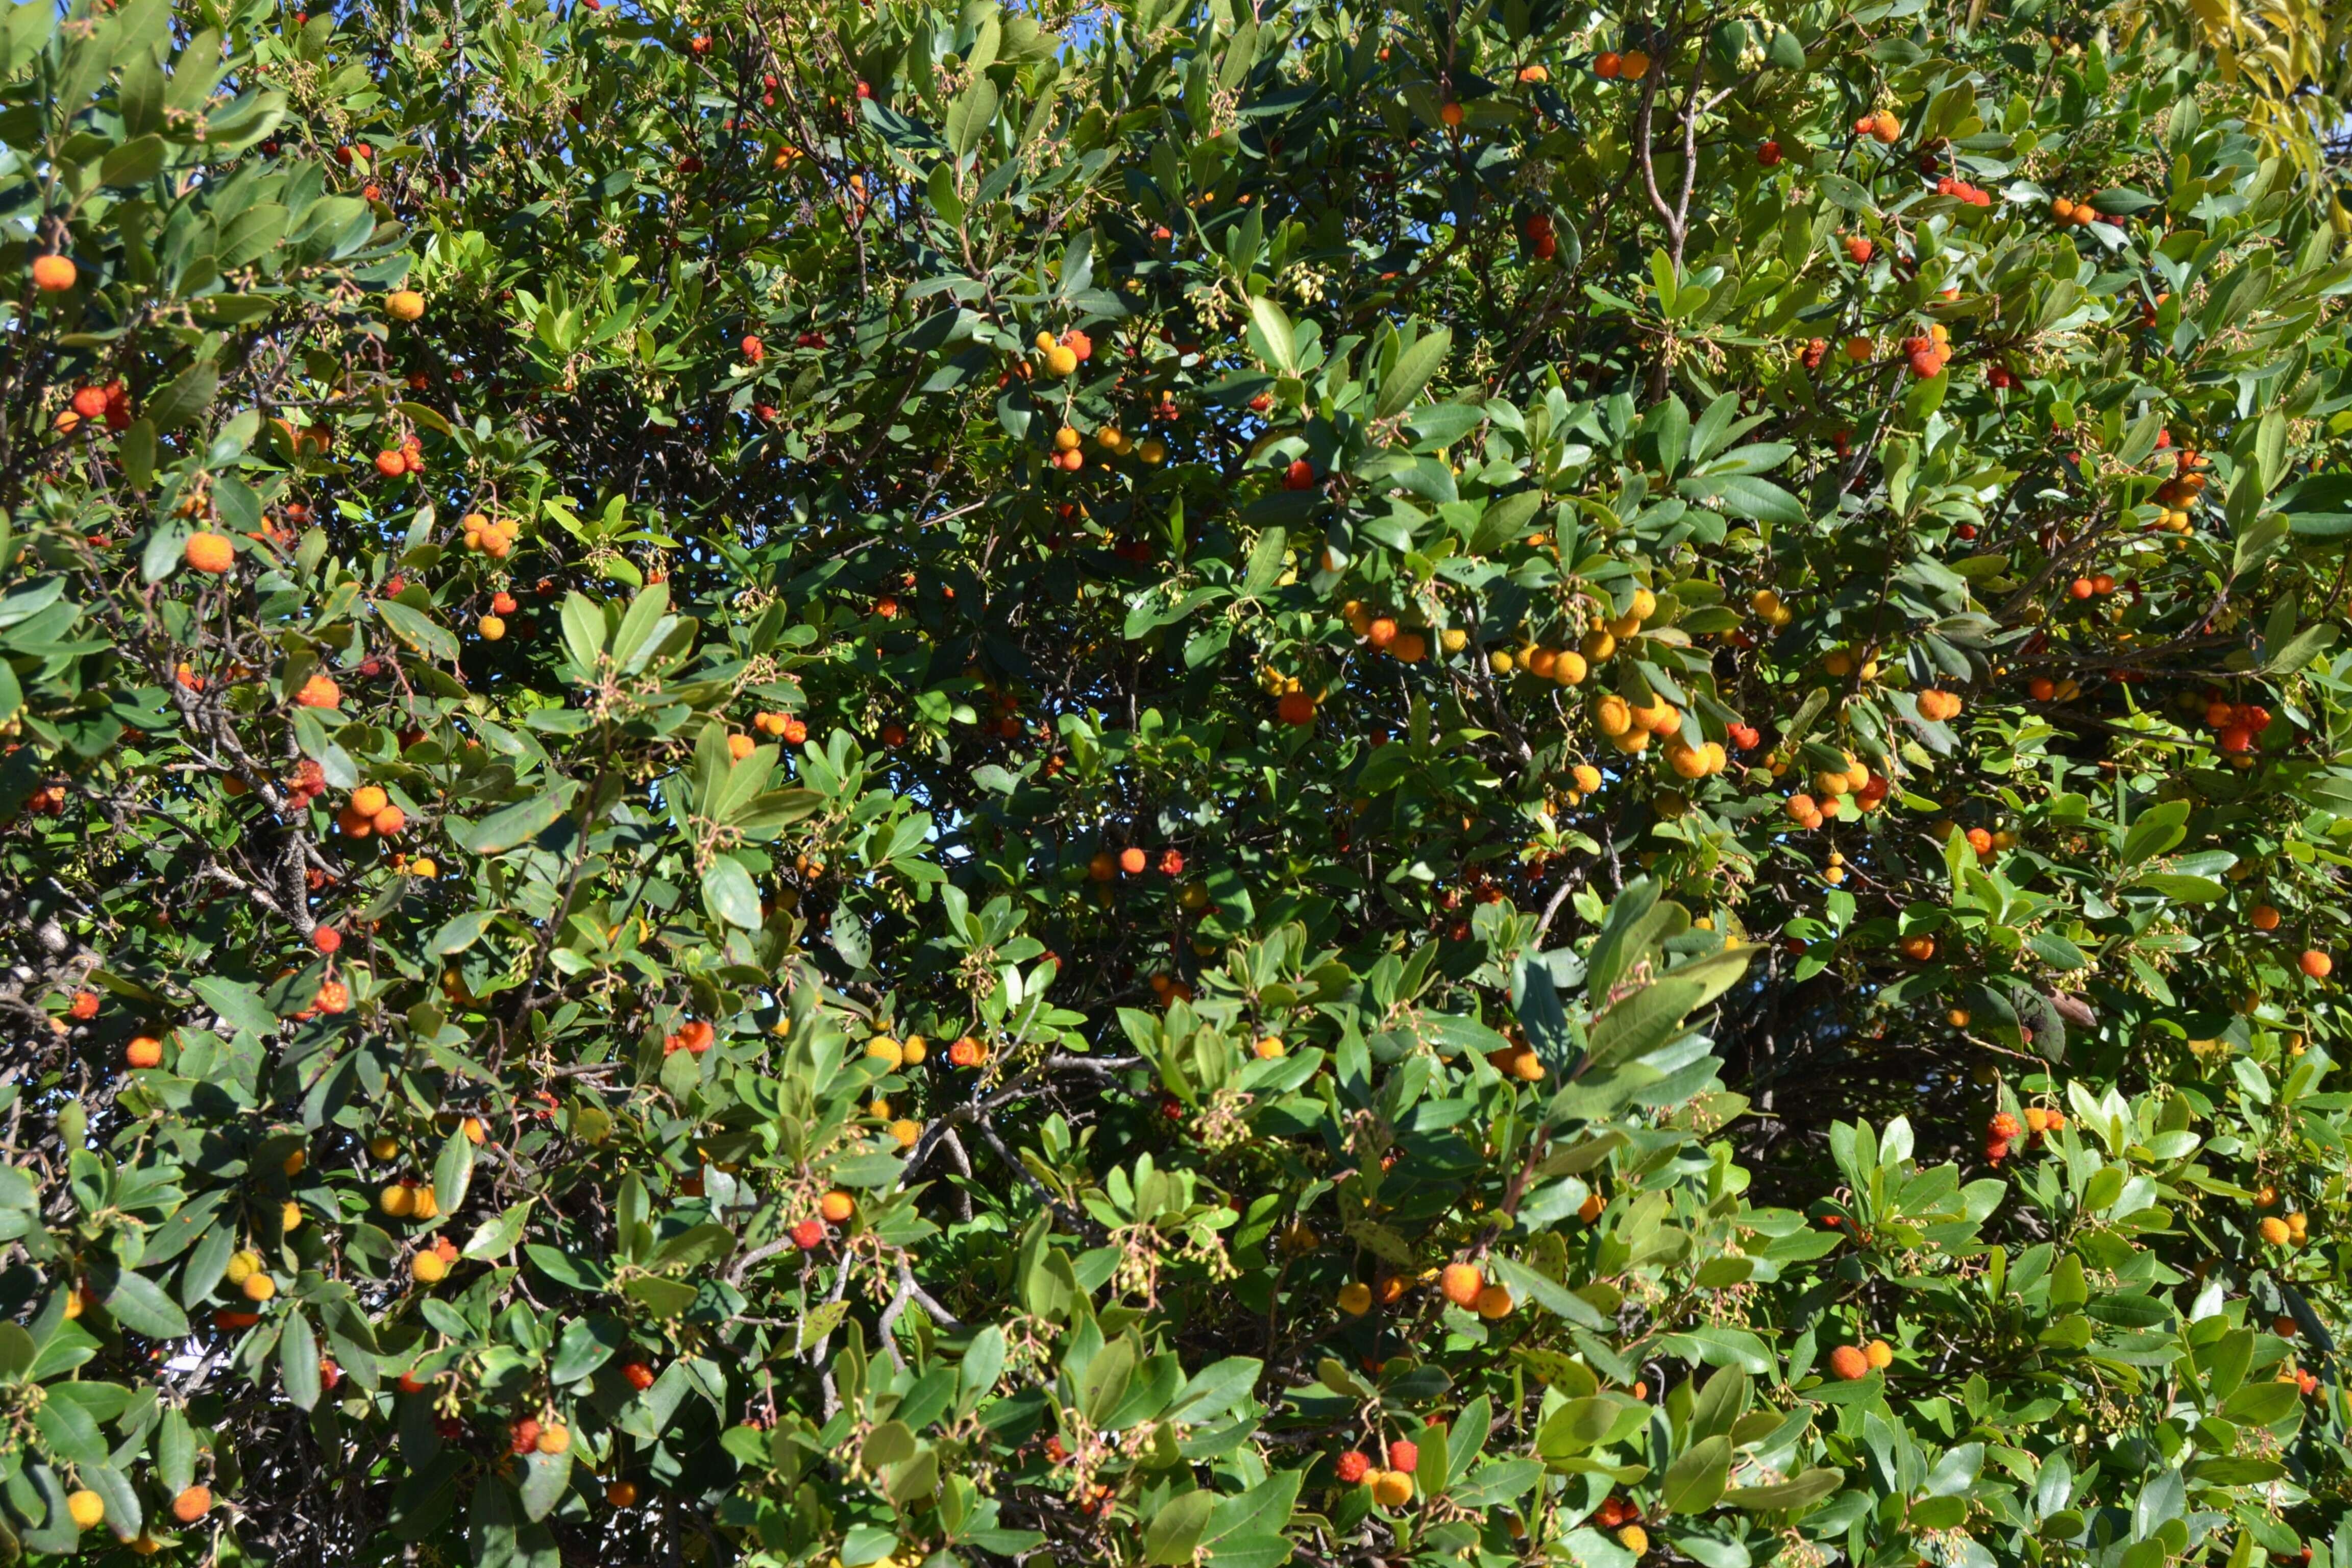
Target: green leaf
(970,116)
(1695,1482)
(297,1360)
(137,1302)
(1272,337)
(545,1478)
(1805,1488)
(452,1172)
(180,403)
(1413,371)
(496,1237)
(240,1006)
(459,932)
(729,894)
(1175,1527)
(1745,496)
(134,163)
(517,825)
(419,630)
(662,1298)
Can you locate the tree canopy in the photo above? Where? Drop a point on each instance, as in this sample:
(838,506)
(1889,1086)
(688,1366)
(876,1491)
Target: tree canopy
(867,783)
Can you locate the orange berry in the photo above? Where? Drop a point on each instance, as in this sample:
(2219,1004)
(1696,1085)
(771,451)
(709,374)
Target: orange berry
(1462,1282)
(209,552)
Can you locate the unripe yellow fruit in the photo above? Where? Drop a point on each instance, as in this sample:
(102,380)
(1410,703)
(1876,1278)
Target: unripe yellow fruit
(886,1050)
(1355,1298)
(404,304)
(290,1216)
(1644,605)
(1587,777)
(1391,1488)
(259,1288)
(1453,639)
(1633,1539)
(88,1509)
(1569,668)
(241,1267)
(427,1268)
(383,1146)
(1598,646)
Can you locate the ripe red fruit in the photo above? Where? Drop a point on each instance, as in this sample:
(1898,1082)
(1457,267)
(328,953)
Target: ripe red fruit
(1171,864)
(1352,1468)
(1768,153)
(523,1436)
(1849,1363)
(809,1234)
(1403,1456)
(326,938)
(639,1375)
(1299,475)
(754,350)
(1859,251)
(85,1004)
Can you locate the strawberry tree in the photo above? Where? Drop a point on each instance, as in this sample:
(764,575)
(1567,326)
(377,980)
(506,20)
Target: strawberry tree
(1179,783)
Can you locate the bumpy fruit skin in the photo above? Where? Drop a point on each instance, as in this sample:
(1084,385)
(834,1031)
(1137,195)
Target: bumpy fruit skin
(1353,1467)
(639,1375)
(209,552)
(191,1504)
(1878,1354)
(426,1269)
(88,1509)
(2316,963)
(144,1052)
(2274,1231)
(55,275)
(1391,1488)
(1404,1455)
(1462,1282)
(1848,1362)
(404,305)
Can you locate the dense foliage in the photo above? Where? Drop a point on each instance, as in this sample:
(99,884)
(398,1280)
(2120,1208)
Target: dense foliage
(852,783)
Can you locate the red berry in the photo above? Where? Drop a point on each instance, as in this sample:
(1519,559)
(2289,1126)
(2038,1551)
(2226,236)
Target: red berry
(1353,1468)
